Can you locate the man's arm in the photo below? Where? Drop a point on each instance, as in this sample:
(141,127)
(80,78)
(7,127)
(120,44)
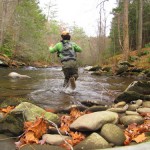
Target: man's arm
(53,49)
(77,48)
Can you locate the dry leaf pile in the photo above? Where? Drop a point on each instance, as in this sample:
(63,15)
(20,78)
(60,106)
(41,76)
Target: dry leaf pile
(136,132)
(33,132)
(66,120)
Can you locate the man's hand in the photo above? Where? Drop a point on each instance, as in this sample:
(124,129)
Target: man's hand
(52,45)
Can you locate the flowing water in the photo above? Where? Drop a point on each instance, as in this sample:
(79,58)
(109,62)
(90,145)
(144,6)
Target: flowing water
(45,86)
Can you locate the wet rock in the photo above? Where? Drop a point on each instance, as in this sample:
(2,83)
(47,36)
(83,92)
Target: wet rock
(94,121)
(31,112)
(121,69)
(141,87)
(8,144)
(107,69)
(131,113)
(97,108)
(53,130)
(125,63)
(41,147)
(17,75)
(90,103)
(93,141)
(143,110)
(87,68)
(131,96)
(119,110)
(95,68)
(146,104)
(139,102)
(12,124)
(68,109)
(99,73)
(127,120)
(137,70)
(141,76)
(133,107)
(54,139)
(120,104)
(3,64)
(113,134)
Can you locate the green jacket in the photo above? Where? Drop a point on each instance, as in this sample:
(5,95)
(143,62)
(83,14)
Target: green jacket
(59,49)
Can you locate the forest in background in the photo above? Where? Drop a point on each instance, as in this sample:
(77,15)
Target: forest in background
(26,33)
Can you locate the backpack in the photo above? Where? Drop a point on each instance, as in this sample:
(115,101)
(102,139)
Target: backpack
(68,52)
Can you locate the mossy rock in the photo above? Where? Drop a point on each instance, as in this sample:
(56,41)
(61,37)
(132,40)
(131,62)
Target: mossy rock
(12,124)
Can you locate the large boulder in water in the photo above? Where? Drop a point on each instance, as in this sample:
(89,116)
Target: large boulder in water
(129,96)
(17,75)
(141,87)
(95,68)
(136,90)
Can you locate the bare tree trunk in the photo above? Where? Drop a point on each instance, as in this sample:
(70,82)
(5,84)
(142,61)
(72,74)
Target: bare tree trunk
(2,23)
(140,22)
(119,36)
(125,31)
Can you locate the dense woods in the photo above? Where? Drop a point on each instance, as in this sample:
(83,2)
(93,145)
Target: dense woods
(26,33)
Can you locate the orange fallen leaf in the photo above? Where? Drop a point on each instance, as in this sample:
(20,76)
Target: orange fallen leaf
(136,131)
(39,127)
(33,131)
(77,137)
(75,113)
(30,137)
(66,120)
(7,109)
(140,138)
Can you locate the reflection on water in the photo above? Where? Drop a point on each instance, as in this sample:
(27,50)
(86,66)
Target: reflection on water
(45,86)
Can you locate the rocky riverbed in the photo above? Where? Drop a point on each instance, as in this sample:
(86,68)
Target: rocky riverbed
(95,127)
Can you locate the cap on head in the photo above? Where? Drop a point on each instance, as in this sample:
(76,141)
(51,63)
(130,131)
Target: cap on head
(65,33)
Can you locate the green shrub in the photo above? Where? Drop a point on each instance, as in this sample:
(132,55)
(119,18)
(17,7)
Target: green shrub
(147,45)
(142,53)
(133,58)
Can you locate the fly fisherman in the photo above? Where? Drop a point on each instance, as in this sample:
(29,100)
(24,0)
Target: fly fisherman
(66,51)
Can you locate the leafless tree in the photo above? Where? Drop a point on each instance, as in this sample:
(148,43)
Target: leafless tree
(126,30)
(140,22)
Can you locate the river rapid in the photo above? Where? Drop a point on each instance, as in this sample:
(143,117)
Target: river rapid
(45,87)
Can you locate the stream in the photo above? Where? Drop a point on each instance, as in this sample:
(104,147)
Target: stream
(45,86)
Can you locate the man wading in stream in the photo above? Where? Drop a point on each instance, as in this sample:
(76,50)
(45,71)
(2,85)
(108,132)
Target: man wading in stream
(66,51)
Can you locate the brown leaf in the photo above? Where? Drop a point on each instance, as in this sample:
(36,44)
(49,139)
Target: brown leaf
(140,138)
(39,127)
(7,109)
(33,131)
(30,138)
